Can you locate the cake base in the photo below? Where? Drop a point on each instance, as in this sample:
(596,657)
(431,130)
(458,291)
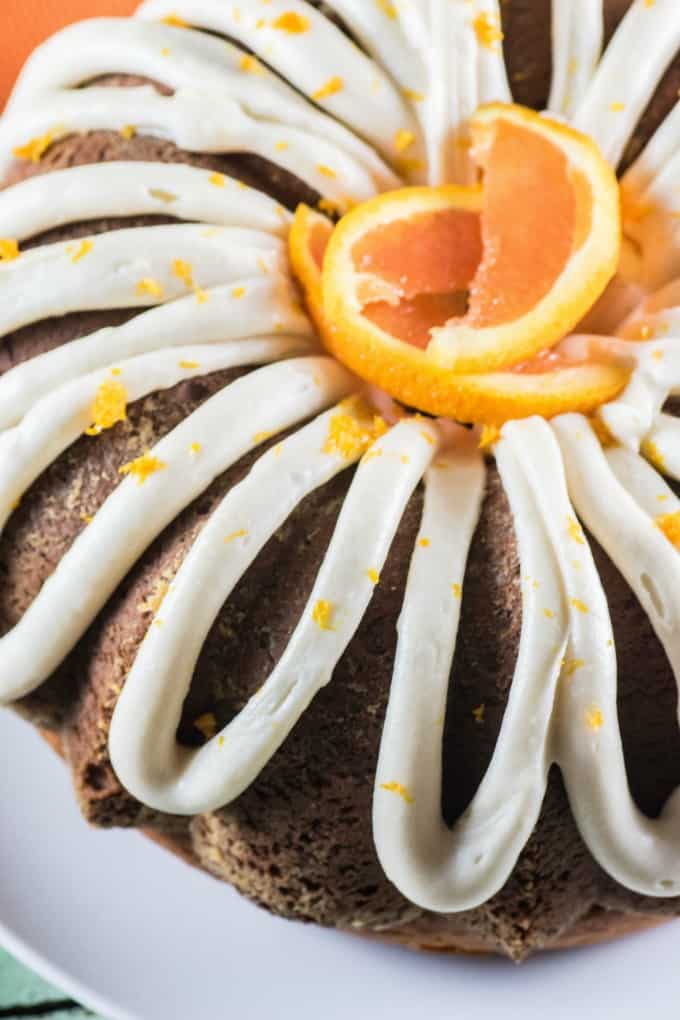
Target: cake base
(433,934)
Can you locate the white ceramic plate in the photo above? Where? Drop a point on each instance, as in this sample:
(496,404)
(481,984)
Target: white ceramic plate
(134,933)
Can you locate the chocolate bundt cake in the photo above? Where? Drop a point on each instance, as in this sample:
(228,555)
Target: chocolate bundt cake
(291,632)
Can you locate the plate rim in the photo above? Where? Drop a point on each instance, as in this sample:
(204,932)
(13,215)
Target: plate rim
(55,975)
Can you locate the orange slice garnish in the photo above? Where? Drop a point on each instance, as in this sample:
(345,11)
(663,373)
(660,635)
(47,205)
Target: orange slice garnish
(475,279)
(547,384)
(481,280)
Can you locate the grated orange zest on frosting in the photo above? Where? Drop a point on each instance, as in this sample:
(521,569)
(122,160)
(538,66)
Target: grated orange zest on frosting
(353,429)
(579,606)
(78,252)
(189,365)
(571,666)
(488,30)
(34,150)
(128,131)
(250,64)
(669,524)
(403,140)
(322,614)
(183,271)
(109,407)
(143,467)
(241,533)
(291,22)
(388,8)
(575,531)
(330,88)
(594,719)
(174,21)
(373,575)
(9,249)
(400,790)
(151,287)
(424,543)
(457,590)
(218,180)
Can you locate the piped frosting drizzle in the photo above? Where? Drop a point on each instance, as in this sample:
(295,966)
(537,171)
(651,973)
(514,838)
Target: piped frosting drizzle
(215,292)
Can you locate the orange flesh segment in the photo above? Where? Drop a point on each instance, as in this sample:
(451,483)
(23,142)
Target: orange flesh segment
(428,253)
(530,221)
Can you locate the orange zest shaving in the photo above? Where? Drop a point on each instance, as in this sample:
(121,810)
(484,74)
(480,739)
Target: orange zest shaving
(9,249)
(109,407)
(594,719)
(353,429)
(291,22)
(143,467)
(34,150)
(669,524)
(322,614)
(150,287)
(400,791)
(330,88)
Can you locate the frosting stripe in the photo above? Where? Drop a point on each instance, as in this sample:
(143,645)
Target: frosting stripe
(129,269)
(267,307)
(408,830)
(102,190)
(184,782)
(458,869)
(647,39)
(309,57)
(640,853)
(577,38)
(227,426)
(182,119)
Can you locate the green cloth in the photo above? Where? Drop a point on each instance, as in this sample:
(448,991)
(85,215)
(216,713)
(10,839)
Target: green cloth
(23,994)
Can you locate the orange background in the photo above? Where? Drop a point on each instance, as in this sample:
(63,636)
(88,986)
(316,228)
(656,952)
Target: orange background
(25,23)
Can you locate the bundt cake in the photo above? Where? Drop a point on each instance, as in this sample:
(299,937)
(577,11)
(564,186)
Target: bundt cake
(379,669)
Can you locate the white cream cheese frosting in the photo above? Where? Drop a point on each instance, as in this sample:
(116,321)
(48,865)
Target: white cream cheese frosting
(215,291)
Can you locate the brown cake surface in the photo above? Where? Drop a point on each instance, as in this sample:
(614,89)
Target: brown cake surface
(299,841)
